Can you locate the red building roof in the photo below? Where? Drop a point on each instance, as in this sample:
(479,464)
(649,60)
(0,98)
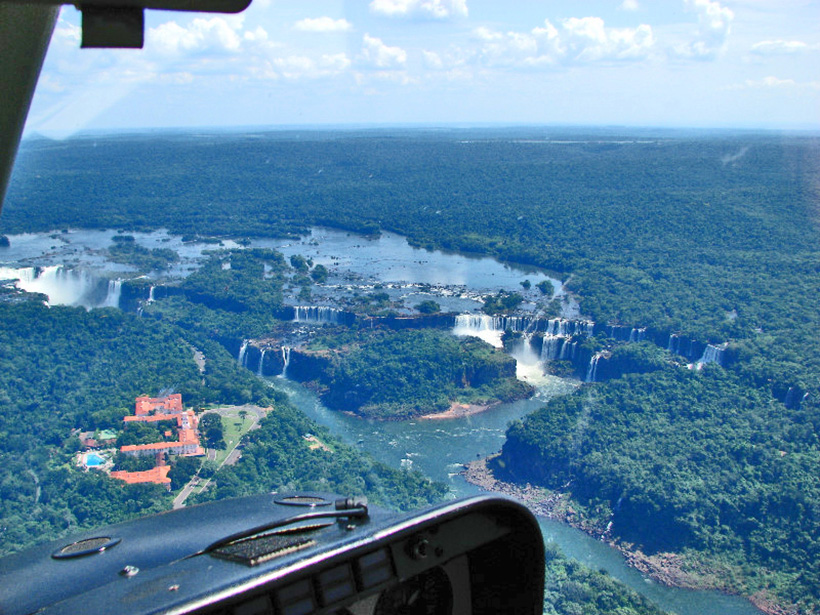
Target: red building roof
(157,474)
(146,405)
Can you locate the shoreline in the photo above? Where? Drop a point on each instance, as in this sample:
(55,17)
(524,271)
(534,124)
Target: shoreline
(665,568)
(457,411)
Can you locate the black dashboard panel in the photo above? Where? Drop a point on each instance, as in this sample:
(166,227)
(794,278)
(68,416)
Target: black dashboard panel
(291,554)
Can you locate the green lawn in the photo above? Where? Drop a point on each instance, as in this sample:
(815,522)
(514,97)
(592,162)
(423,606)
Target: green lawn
(234,429)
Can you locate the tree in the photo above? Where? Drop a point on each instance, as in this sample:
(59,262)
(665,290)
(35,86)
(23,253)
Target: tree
(545,286)
(428,307)
(299,262)
(319,274)
(182,471)
(210,425)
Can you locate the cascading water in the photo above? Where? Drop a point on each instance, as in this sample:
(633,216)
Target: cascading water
(528,364)
(151,295)
(637,334)
(552,347)
(592,370)
(242,358)
(558,327)
(261,362)
(112,298)
(317,314)
(711,354)
(285,361)
(487,328)
(65,286)
(568,351)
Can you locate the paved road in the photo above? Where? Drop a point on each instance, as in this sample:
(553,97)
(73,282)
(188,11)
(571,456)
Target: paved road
(256,413)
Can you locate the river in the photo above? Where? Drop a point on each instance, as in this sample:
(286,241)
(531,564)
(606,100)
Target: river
(439,448)
(68,265)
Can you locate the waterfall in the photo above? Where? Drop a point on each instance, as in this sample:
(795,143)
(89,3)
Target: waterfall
(112,298)
(243,350)
(568,351)
(261,362)
(553,347)
(523,351)
(711,354)
(673,343)
(66,286)
(592,371)
(637,334)
(559,326)
(317,314)
(285,361)
(488,328)
(151,295)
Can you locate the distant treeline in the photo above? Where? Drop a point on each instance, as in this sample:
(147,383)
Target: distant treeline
(672,231)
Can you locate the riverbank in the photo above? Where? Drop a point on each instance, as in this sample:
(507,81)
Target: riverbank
(458,411)
(669,569)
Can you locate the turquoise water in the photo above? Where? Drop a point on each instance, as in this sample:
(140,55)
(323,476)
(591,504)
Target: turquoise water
(93,460)
(439,449)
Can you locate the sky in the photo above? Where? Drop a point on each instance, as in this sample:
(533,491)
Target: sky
(670,63)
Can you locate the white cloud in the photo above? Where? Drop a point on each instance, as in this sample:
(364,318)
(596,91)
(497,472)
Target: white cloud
(714,27)
(259,35)
(304,67)
(216,34)
(781,47)
(629,5)
(322,24)
(65,31)
(578,40)
(420,9)
(588,40)
(378,55)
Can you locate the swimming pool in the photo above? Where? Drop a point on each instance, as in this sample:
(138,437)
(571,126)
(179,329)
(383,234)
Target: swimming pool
(92,460)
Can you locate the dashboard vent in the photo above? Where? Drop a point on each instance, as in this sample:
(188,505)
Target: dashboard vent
(88,546)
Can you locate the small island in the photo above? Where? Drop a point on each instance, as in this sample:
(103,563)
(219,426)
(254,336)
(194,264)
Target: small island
(393,375)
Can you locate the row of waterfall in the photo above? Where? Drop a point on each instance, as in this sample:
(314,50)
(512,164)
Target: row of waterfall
(540,340)
(66,286)
(524,324)
(319,315)
(534,341)
(267,364)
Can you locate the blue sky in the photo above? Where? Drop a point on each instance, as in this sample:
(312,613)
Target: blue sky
(689,63)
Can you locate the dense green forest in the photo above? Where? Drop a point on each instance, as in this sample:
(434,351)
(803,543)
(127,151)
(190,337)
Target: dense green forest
(403,374)
(712,236)
(278,457)
(572,589)
(687,462)
(63,369)
(662,229)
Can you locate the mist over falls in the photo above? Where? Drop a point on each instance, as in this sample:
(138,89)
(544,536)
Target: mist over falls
(532,340)
(66,286)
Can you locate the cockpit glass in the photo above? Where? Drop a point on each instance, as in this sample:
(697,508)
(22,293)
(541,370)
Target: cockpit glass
(414,250)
